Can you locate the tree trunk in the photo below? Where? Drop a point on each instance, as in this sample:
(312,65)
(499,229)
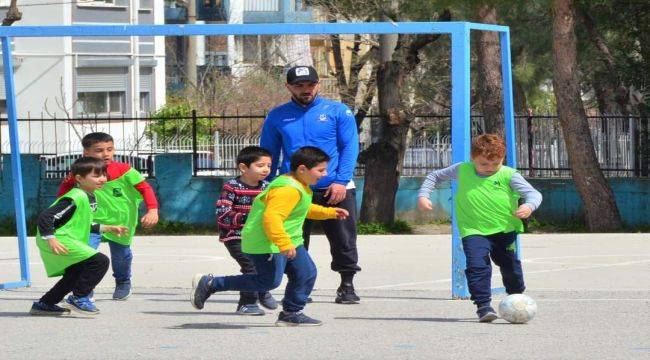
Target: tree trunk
(12,15)
(490,89)
(601,212)
(382,159)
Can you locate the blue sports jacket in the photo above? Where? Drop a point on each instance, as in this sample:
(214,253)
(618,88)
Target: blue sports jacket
(326,124)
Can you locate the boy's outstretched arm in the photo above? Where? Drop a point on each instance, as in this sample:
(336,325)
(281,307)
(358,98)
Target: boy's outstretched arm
(318,212)
(151,217)
(532,197)
(435,177)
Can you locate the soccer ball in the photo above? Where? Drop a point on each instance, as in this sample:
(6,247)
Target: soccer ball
(517,308)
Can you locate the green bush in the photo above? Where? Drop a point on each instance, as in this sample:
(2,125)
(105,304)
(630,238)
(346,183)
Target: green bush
(375,228)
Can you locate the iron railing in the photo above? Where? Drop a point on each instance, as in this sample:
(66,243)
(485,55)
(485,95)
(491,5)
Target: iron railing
(215,140)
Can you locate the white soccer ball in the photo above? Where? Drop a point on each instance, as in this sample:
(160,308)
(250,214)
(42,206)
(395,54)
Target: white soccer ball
(517,308)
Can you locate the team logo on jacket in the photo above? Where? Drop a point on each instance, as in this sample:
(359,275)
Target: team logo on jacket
(117,192)
(322,117)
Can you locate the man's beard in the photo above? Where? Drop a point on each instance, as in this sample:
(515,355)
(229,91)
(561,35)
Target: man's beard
(301,102)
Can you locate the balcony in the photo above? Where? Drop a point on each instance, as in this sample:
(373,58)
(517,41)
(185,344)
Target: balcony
(276,11)
(254,11)
(175,15)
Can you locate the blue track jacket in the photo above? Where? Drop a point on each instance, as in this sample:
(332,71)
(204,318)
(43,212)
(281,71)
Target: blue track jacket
(326,124)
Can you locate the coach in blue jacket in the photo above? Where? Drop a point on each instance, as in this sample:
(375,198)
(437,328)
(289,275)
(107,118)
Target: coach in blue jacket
(309,119)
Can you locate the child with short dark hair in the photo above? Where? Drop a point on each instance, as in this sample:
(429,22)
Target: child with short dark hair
(488,217)
(119,202)
(237,195)
(272,238)
(62,239)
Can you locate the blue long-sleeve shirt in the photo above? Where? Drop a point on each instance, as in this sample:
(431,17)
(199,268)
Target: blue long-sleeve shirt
(326,124)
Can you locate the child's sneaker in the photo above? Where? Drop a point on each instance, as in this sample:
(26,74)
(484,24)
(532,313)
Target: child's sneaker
(486,314)
(296,319)
(250,310)
(345,295)
(43,309)
(200,290)
(122,290)
(82,304)
(268,301)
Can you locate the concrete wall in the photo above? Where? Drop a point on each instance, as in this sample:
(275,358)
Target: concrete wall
(190,199)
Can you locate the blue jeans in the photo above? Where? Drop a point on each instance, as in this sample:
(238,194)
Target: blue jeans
(501,248)
(270,268)
(121,258)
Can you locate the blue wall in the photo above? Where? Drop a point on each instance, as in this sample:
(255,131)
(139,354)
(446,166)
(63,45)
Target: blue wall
(190,199)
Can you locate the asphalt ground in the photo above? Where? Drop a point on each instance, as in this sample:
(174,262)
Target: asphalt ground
(592,290)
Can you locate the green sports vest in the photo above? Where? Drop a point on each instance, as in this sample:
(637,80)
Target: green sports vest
(117,204)
(73,235)
(485,205)
(254,239)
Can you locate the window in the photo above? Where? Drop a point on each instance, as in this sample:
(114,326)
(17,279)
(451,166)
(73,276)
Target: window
(145,102)
(250,46)
(101,103)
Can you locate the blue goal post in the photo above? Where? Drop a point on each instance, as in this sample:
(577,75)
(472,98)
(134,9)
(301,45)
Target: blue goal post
(460,82)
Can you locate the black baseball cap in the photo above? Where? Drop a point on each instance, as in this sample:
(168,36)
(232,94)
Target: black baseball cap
(302,73)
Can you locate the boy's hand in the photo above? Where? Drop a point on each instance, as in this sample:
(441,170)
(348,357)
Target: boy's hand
(523,212)
(424,204)
(150,218)
(290,254)
(57,247)
(341,214)
(116,229)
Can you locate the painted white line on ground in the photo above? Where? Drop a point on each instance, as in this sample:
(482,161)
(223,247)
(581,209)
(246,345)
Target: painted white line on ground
(525,274)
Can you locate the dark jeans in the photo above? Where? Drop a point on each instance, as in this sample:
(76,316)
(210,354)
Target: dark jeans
(121,258)
(341,234)
(501,248)
(80,278)
(247,268)
(300,270)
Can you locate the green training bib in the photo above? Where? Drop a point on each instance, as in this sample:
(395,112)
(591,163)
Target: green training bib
(485,205)
(254,239)
(117,204)
(73,235)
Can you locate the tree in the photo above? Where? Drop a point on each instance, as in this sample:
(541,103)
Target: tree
(383,159)
(489,88)
(601,212)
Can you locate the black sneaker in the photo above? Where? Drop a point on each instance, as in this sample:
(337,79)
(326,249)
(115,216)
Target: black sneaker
(268,301)
(250,310)
(309,300)
(345,295)
(486,314)
(43,309)
(122,290)
(296,319)
(200,290)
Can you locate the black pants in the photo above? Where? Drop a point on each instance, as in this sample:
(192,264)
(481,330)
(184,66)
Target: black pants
(80,278)
(341,234)
(501,248)
(247,268)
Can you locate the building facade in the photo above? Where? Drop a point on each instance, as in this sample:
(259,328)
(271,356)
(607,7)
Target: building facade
(72,78)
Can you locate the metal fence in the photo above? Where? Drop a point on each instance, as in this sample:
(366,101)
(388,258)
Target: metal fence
(215,140)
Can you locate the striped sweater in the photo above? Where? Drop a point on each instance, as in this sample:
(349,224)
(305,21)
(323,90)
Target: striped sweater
(233,207)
